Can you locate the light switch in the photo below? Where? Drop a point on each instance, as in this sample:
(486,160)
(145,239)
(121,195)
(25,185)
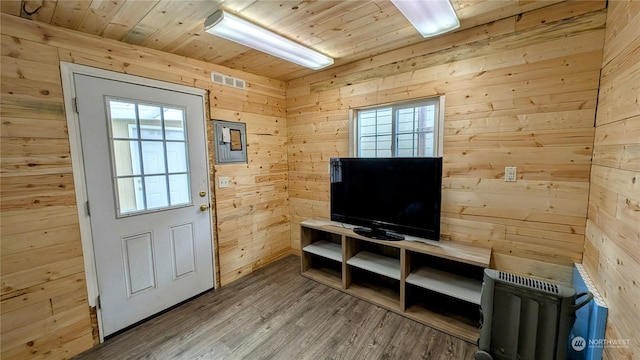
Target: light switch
(223,182)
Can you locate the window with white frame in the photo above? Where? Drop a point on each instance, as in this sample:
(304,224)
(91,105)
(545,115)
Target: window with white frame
(149,156)
(411,129)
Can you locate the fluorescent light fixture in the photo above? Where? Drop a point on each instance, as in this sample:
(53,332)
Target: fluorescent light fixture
(243,32)
(429,17)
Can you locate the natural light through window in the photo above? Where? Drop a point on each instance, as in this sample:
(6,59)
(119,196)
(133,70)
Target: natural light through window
(399,130)
(149,156)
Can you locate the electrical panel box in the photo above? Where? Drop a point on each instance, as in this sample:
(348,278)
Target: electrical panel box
(230,141)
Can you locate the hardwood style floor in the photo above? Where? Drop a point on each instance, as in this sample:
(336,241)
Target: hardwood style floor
(275,313)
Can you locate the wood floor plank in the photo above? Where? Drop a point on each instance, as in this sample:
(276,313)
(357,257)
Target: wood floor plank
(275,313)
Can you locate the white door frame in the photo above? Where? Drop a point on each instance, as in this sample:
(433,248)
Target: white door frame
(67,71)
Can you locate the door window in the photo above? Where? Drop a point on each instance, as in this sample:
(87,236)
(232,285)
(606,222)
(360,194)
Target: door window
(149,156)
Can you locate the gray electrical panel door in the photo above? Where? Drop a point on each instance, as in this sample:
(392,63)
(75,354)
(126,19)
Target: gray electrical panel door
(230,140)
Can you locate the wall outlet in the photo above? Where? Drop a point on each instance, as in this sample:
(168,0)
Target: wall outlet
(510,173)
(223,182)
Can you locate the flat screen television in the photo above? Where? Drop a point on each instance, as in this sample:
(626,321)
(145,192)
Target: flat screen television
(388,197)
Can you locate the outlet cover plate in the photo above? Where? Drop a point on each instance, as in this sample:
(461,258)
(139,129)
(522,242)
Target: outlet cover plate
(510,173)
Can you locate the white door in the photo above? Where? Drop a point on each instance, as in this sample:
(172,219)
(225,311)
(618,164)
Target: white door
(145,163)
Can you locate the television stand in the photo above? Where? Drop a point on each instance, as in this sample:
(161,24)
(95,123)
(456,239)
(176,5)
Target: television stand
(378,233)
(437,283)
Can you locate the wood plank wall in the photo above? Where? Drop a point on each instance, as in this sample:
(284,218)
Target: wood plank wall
(44,308)
(612,246)
(518,92)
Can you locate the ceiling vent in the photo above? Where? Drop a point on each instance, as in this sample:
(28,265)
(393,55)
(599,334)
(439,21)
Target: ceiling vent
(228,81)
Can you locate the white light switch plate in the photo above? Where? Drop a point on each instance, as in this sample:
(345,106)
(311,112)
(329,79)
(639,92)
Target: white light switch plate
(510,173)
(223,182)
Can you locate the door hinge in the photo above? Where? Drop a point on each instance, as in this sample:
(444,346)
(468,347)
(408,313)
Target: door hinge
(98,304)
(75,105)
(88,208)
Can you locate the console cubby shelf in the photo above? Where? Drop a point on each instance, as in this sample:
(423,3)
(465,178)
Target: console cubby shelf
(433,282)
(375,263)
(325,249)
(453,285)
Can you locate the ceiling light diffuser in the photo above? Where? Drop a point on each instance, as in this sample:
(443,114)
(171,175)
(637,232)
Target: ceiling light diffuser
(243,32)
(429,17)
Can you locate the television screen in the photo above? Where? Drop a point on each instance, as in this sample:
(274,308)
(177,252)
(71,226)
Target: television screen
(388,195)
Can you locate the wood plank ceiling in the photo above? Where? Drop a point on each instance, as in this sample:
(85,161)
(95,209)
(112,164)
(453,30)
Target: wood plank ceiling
(347,30)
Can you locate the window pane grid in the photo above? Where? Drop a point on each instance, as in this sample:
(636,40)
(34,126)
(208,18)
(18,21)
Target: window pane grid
(142,182)
(149,156)
(404,130)
(138,176)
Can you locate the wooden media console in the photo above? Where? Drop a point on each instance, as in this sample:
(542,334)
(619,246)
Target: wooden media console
(437,283)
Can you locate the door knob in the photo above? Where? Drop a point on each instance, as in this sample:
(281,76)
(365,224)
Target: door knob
(204,207)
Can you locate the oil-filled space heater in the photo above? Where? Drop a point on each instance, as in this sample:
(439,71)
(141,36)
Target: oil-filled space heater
(524,318)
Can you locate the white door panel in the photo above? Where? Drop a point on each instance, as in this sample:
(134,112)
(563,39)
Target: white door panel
(183,250)
(139,267)
(145,164)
